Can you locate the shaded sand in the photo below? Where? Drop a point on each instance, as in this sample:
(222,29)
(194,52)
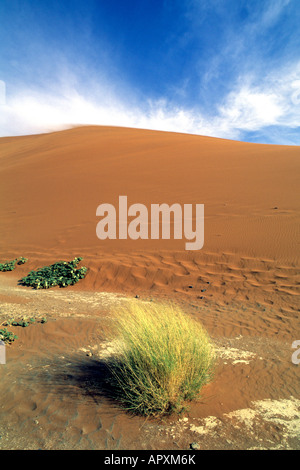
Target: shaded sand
(243,285)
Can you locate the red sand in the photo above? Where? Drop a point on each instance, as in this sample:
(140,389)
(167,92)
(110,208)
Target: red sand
(51,185)
(245,279)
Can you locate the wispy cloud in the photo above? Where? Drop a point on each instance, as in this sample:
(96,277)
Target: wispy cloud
(225,72)
(275,101)
(250,106)
(272,12)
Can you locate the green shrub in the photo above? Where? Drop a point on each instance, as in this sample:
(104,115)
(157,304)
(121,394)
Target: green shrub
(162,359)
(24,321)
(7,336)
(10,265)
(61,274)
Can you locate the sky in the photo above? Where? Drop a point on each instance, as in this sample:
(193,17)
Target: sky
(223,68)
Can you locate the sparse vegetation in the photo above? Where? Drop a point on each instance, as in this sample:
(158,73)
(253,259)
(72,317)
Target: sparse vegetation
(62,274)
(10,265)
(7,336)
(24,321)
(162,359)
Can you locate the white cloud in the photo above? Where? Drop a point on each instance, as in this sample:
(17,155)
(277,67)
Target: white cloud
(249,106)
(275,102)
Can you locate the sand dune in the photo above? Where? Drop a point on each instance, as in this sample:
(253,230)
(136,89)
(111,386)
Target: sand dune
(53,183)
(243,285)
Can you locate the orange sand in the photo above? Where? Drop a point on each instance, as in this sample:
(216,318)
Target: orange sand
(244,281)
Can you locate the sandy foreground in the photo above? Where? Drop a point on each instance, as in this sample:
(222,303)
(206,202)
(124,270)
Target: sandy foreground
(243,286)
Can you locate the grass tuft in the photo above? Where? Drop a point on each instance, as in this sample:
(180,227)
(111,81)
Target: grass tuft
(162,359)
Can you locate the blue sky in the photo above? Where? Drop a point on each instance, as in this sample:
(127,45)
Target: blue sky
(224,68)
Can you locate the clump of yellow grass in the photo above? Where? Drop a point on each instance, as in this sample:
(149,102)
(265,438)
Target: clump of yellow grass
(162,358)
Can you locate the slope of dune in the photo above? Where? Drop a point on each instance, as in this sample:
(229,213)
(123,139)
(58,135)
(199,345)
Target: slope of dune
(51,185)
(243,284)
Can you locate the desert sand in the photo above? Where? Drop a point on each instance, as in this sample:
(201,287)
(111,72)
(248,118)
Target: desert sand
(243,285)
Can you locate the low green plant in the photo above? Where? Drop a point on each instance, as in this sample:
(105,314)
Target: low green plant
(62,274)
(21,323)
(10,265)
(162,359)
(24,321)
(7,336)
